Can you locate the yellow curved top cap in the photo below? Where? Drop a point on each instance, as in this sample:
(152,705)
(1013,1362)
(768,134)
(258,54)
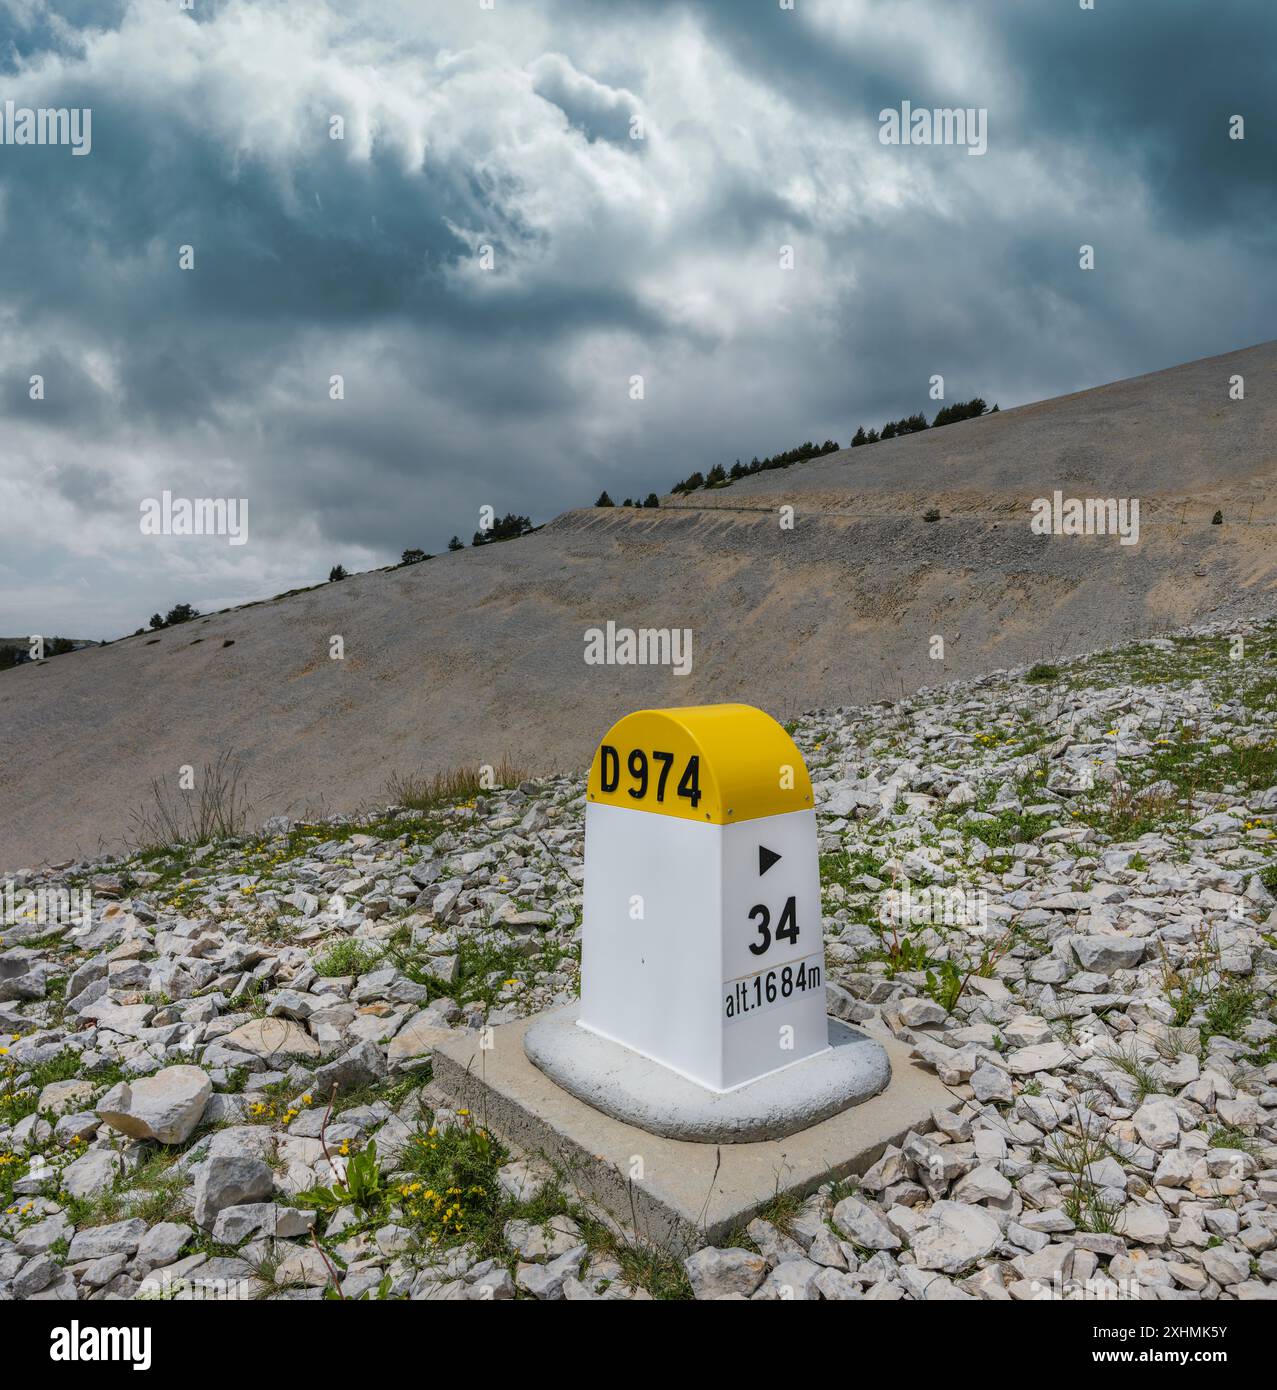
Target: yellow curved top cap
(715,763)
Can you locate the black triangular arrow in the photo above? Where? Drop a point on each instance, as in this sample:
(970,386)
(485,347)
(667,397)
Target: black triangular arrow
(766,858)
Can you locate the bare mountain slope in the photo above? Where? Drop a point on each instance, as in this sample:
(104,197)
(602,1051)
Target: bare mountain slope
(481,653)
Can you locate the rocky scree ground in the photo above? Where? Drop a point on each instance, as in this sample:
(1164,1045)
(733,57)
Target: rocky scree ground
(221,1086)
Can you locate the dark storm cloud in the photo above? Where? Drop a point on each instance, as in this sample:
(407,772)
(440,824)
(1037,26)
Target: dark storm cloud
(613,256)
(71,397)
(1153,88)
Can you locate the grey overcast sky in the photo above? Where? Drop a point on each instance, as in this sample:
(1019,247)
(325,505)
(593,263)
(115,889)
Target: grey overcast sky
(511,127)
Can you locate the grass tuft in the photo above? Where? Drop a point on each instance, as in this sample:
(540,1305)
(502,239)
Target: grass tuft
(421,792)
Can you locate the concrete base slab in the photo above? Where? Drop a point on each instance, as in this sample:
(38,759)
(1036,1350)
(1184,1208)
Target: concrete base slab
(673,1192)
(642,1092)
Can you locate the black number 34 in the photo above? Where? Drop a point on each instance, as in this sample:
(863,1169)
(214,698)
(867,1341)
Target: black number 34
(786,928)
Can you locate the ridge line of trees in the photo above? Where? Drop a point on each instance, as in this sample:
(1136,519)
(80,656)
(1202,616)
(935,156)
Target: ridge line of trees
(911,424)
(718,476)
(512,526)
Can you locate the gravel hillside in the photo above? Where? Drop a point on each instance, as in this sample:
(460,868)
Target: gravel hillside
(218,1084)
(479,654)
